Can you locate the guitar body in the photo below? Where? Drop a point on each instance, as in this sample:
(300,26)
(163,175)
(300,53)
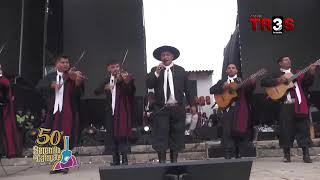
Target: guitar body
(229,93)
(66,153)
(277,92)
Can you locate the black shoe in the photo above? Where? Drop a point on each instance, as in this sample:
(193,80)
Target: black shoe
(115,159)
(184,176)
(65,171)
(287,155)
(306,156)
(227,154)
(171,177)
(162,157)
(173,156)
(124,159)
(56,172)
(237,154)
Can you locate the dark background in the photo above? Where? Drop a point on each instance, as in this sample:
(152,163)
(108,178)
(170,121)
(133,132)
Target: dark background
(261,49)
(105,29)
(10,15)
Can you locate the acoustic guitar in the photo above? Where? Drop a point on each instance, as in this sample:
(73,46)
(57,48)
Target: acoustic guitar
(229,93)
(278,91)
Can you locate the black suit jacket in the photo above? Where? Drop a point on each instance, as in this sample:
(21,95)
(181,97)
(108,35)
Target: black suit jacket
(44,88)
(127,89)
(180,81)
(100,90)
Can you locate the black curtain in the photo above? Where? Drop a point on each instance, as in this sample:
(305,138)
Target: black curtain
(55,30)
(10,17)
(232,53)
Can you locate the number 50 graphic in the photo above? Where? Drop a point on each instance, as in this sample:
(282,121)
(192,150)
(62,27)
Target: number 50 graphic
(45,136)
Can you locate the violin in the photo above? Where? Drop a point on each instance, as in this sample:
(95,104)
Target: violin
(73,75)
(124,75)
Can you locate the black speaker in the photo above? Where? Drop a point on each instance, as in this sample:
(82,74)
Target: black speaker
(196,170)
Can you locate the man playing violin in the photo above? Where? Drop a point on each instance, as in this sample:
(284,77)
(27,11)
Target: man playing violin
(119,89)
(62,89)
(293,108)
(236,117)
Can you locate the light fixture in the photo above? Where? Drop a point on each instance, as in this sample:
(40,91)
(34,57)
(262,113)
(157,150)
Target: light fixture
(146,128)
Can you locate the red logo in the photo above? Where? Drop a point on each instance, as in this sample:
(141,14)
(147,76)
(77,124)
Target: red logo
(276,24)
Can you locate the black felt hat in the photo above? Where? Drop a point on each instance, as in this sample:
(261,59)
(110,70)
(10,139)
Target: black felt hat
(157,52)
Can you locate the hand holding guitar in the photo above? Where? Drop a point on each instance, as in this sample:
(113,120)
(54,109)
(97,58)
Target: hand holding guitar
(313,66)
(282,79)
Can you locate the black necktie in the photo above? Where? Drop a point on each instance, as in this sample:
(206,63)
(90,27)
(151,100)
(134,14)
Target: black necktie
(60,79)
(168,86)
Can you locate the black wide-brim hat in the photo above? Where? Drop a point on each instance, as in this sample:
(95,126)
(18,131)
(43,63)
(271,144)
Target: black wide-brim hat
(157,52)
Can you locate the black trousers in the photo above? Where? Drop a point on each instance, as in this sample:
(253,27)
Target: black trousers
(168,128)
(114,144)
(293,126)
(230,140)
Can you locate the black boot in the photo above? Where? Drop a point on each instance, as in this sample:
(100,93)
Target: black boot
(162,157)
(173,156)
(237,154)
(287,155)
(306,156)
(227,154)
(115,159)
(124,159)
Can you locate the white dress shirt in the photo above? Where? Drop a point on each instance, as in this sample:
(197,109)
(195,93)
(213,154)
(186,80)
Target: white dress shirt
(113,92)
(58,102)
(168,76)
(289,99)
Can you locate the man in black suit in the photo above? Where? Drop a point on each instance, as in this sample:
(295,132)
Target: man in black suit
(119,89)
(236,117)
(169,82)
(62,89)
(293,108)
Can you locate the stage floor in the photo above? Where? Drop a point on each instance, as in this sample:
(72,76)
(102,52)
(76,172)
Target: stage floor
(262,169)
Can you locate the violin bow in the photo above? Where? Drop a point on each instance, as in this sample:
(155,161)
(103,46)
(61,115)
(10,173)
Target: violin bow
(2,47)
(80,58)
(124,58)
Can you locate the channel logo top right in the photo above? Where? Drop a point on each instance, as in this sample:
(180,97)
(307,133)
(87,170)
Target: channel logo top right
(277,24)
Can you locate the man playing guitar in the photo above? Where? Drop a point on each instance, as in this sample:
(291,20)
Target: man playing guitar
(235,117)
(292,106)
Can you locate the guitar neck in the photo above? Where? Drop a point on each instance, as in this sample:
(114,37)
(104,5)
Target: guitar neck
(298,74)
(66,142)
(246,81)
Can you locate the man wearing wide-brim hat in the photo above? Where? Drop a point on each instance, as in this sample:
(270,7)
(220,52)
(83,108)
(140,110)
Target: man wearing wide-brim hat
(169,82)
